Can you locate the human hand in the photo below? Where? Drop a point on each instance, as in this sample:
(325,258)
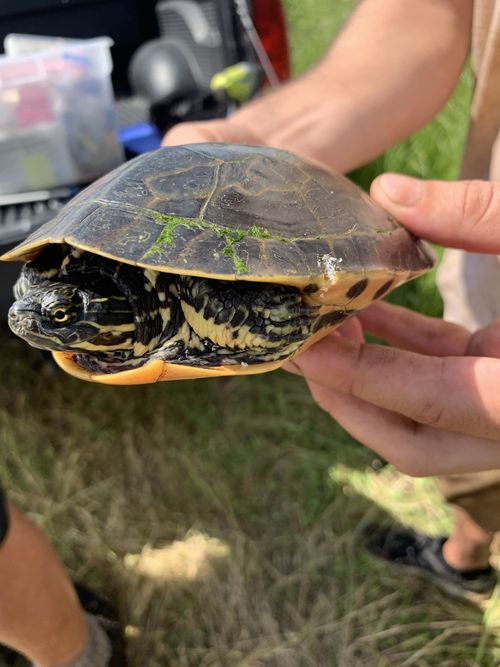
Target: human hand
(221,130)
(431,403)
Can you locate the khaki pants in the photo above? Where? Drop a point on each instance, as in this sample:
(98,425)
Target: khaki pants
(470,286)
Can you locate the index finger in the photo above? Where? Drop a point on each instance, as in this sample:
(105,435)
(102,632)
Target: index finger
(192,133)
(413,331)
(219,130)
(458,394)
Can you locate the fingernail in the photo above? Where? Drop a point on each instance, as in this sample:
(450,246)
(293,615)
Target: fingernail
(401,190)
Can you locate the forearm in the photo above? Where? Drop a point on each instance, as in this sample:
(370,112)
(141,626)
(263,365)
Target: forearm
(389,72)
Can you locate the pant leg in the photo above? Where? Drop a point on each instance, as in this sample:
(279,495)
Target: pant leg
(470,286)
(478,494)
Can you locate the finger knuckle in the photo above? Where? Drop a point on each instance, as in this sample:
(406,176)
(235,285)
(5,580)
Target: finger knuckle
(433,409)
(480,202)
(430,413)
(486,341)
(353,383)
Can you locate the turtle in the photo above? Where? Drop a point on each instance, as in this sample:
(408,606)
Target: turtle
(203,260)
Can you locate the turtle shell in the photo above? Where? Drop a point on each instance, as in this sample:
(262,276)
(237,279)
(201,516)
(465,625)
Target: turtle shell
(235,212)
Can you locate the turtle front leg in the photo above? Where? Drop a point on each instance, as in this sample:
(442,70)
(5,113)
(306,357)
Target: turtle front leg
(262,320)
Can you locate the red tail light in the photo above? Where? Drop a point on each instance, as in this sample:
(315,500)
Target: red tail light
(269,21)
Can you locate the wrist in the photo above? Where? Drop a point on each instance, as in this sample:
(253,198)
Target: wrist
(305,117)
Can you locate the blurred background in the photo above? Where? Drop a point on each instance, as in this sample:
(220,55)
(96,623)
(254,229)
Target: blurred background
(222,516)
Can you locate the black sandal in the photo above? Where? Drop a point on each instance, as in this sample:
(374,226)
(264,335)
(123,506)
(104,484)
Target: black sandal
(423,555)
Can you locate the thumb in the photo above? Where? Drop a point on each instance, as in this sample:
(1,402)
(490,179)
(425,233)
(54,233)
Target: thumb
(460,214)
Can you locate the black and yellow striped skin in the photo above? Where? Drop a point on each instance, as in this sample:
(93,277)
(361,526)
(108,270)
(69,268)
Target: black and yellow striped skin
(231,258)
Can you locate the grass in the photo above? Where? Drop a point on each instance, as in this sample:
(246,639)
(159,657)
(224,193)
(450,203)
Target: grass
(251,499)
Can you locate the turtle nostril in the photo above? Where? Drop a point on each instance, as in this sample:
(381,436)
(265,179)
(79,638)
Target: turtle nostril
(15,315)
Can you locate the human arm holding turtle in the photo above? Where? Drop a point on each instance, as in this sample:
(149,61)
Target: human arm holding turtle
(437,410)
(392,68)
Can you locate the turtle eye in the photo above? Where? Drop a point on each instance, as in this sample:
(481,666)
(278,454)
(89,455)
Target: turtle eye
(60,316)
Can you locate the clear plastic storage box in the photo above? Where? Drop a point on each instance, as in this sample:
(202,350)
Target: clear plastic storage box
(57,118)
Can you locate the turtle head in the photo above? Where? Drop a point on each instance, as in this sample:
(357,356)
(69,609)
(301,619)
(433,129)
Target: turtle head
(65,317)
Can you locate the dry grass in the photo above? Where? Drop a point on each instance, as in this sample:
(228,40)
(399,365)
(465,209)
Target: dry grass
(256,501)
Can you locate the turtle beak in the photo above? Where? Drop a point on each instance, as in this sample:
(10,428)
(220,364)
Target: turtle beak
(17,315)
(23,320)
